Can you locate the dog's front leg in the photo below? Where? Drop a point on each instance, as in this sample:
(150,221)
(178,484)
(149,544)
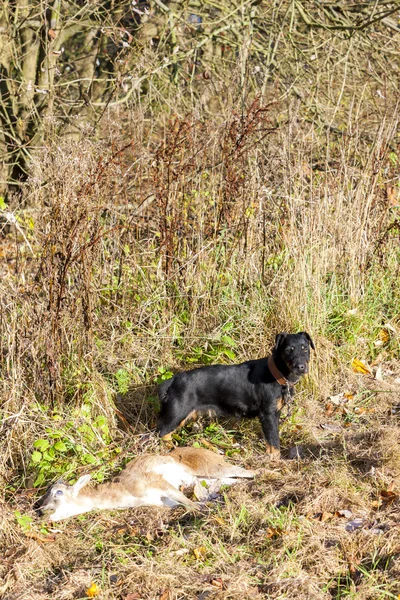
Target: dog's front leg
(270,427)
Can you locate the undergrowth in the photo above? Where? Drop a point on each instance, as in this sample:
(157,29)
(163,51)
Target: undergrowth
(185,236)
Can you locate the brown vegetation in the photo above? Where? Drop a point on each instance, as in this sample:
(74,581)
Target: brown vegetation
(246,184)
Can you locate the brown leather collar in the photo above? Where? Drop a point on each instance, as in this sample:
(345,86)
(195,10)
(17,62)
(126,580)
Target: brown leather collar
(276,373)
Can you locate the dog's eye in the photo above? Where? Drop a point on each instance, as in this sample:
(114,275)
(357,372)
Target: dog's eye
(59,493)
(291,349)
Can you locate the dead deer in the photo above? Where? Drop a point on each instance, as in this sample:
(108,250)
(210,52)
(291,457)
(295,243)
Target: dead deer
(149,480)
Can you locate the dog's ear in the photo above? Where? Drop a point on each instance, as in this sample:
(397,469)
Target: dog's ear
(279,339)
(308,336)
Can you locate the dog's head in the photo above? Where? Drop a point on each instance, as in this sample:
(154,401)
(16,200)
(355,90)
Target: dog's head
(291,353)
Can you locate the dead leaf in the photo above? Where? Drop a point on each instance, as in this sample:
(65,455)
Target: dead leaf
(164,595)
(331,427)
(344,513)
(133,596)
(363,410)
(274,532)
(200,552)
(93,591)
(378,373)
(391,194)
(179,552)
(218,583)
(388,496)
(220,520)
(200,491)
(325,516)
(384,336)
(52,34)
(360,367)
(337,399)
(354,524)
(329,409)
(40,538)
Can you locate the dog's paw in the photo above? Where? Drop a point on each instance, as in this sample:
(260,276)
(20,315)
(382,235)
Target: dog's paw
(272,452)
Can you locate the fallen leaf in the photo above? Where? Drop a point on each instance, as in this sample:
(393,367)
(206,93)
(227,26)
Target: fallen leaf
(330,427)
(354,524)
(324,516)
(377,531)
(164,595)
(217,582)
(337,399)
(363,410)
(133,596)
(220,520)
(384,336)
(180,552)
(200,552)
(40,538)
(200,492)
(378,373)
(388,496)
(93,591)
(344,513)
(329,409)
(360,367)
(274,532)
(52,34)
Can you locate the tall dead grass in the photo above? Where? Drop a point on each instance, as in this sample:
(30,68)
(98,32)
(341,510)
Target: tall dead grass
(143,251)
(188,234)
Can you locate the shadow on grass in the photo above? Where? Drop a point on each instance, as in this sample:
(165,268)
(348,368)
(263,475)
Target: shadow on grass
(137,409)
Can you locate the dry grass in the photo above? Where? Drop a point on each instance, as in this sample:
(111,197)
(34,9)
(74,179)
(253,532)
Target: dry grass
(188,235)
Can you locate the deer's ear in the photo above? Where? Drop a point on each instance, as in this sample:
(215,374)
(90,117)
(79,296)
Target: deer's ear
(82,481)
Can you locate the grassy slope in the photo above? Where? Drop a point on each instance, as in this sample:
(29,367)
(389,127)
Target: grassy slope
(239,235)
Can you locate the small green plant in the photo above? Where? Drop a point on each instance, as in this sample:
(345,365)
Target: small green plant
(123,380)
(24,521)
(69,446)
(163,375)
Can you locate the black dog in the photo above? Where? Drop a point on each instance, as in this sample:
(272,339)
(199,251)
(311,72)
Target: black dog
(256,388)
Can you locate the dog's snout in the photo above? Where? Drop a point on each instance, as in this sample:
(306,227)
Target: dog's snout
(301,367)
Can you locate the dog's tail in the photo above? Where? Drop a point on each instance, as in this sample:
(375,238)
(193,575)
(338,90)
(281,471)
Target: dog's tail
(163,390)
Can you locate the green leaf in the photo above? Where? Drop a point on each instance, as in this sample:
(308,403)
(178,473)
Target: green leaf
(23,520)
(41,444)
(39,480)
(60,446)
(89,458)
(47,456)
(3,204)
(36,457)
(226,339)
(229,353)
